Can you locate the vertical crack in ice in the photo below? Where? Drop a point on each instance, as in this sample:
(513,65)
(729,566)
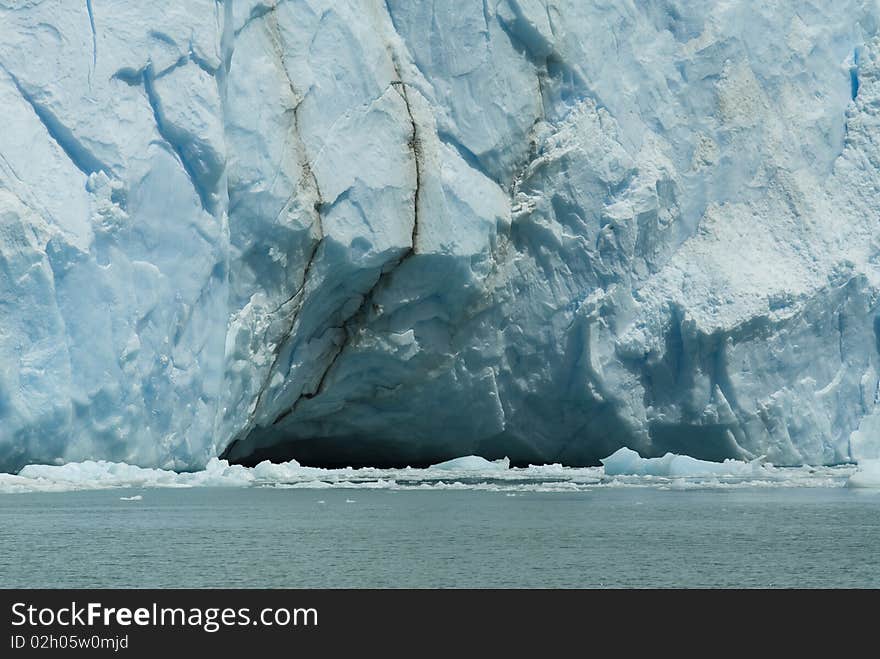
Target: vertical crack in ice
(168,133)
(486,19)
(307,171)
(227,36)
(415,148)
(353,323)
(877,336)
(227,48)
(91,13)
(854,75)
(223,16)
(83,159)
(298,296)
(274,34)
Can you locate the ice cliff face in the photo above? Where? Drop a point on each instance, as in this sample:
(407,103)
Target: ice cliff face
(397,232)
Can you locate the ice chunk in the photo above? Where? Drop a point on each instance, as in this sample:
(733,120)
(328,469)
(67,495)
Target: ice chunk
(627,462)
(867,476)
(99,474)
(472,463)
(270,471)
(102,474)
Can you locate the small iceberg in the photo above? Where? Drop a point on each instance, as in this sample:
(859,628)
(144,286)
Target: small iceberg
(136,497)
(472,463)
(626,462)
(867,476)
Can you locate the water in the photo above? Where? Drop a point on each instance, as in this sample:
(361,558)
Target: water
(276,537)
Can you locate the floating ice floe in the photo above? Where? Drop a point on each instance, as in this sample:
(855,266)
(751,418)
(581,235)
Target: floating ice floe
(867,476)
(626,462)
(472,463)
(624,468)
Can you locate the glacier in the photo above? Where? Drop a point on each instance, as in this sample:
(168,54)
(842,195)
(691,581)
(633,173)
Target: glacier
(391,233)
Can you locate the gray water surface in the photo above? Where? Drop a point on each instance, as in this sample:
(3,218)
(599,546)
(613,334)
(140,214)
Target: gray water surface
(615,537)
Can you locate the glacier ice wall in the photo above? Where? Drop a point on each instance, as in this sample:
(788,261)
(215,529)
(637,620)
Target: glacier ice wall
(392,232)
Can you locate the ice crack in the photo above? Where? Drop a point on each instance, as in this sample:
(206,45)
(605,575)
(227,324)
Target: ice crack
(91,13)
(171,137)
(83,159)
